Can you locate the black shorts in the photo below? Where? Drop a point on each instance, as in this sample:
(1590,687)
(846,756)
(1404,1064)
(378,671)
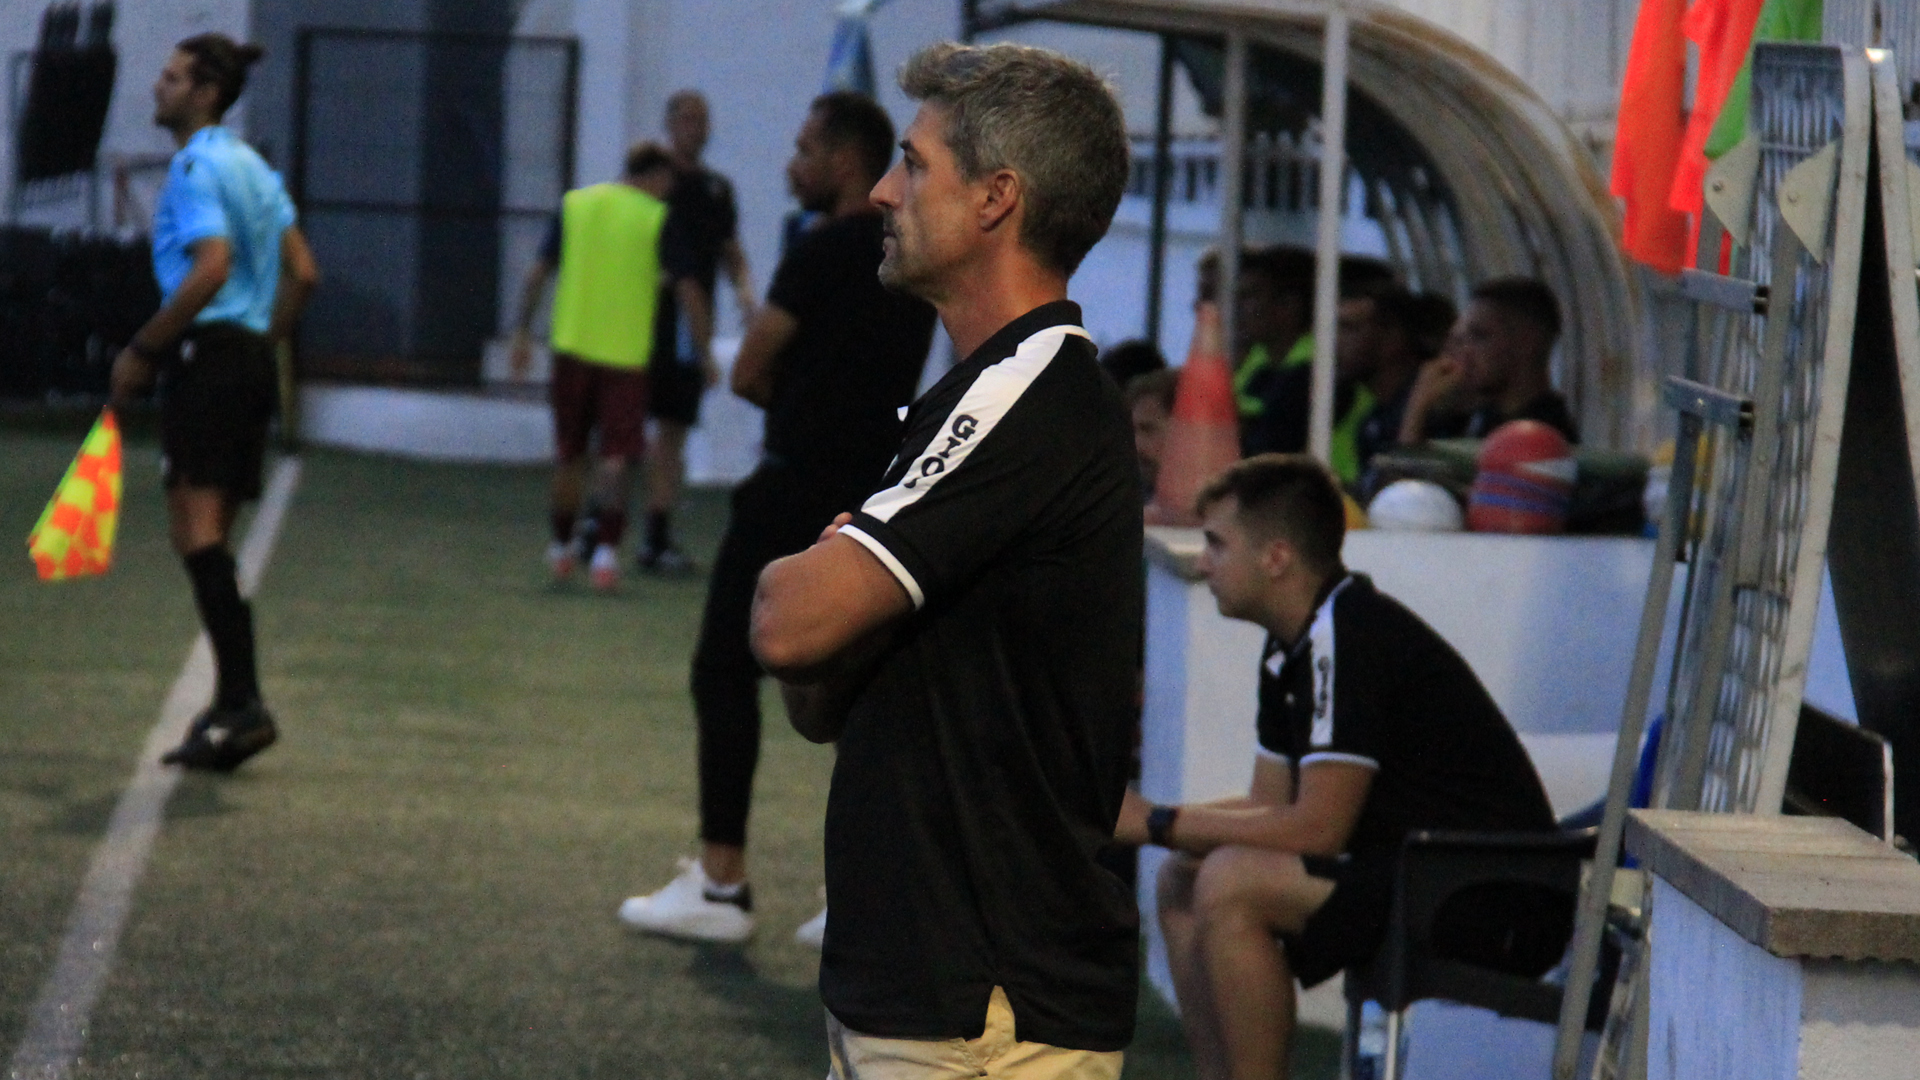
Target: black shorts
(220,397)
(1349,927)
(676,390)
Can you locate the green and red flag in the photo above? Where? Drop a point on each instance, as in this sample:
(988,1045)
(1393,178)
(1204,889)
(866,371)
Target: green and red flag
(1723,31)
(1780,20)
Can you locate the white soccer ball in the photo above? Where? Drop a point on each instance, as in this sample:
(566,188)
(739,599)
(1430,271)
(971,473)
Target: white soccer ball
(1415,506)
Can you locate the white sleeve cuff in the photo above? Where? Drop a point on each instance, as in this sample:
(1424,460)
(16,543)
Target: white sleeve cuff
(1274,754)
(887,559)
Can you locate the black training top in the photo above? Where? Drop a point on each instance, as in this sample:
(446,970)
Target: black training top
(700,204)
(1549,408)
(853,363)
(982,768)
(703,201)
(1371,683)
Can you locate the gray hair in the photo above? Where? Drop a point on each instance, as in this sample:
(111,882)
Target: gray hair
(1050,119)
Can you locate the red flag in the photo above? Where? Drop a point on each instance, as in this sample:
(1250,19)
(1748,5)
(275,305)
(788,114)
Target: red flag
(1723,29)
(1646,146)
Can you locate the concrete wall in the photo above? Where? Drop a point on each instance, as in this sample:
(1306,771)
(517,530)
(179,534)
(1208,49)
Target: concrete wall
(1724,1009)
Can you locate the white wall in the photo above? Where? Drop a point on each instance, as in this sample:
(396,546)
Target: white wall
(1571,52)
(143,33)
(761,61)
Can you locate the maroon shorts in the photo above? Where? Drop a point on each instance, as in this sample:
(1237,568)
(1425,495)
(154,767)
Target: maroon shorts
(594,396)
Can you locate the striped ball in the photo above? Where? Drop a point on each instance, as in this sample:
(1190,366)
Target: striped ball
(1525,481)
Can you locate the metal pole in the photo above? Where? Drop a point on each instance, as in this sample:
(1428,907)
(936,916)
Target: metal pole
(1591,917)
(1233,153)
(1333,192)
(1162,179)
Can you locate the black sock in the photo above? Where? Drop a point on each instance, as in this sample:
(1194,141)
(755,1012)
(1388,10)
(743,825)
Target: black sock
(229,623)
(562,521)
(659,530)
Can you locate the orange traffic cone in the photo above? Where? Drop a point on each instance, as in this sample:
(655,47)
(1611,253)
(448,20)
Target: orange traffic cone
(1203,436)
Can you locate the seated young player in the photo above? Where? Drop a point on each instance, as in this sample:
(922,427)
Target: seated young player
(1370,726)
(1499,351)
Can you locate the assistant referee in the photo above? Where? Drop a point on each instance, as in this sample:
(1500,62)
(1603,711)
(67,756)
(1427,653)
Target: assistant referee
(234,273)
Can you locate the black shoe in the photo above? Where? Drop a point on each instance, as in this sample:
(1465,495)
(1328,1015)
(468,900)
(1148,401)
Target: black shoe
(666,562)
(220,739)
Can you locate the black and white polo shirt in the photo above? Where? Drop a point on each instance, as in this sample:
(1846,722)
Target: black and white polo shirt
(1371,684)
(982,768)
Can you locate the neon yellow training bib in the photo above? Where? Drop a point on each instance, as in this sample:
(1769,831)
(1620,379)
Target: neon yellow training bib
(609,288)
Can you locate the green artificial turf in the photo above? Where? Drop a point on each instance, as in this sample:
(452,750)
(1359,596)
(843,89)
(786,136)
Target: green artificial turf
(475,767)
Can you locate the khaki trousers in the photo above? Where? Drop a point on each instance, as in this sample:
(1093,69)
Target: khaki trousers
(996,1054)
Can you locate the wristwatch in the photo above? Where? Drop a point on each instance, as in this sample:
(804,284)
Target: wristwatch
(1160,825)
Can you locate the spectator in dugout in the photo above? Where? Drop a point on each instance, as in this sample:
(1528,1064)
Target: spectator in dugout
(1378,348)
(1272,330)
(1370,726)
(1499,351)
(1433,319)
(1364,376)
(1149,399)
(1130,359)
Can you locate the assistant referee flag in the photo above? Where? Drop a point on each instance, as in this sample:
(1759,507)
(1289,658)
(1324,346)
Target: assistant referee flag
(74,537)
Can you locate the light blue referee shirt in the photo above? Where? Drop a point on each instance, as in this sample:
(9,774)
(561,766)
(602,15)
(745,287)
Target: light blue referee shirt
(218,186)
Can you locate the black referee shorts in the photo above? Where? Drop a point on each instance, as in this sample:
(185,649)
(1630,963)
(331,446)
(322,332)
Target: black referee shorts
(219,399)
(1349,927)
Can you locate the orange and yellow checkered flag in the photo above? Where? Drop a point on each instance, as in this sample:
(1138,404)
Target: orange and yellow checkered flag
(75,535)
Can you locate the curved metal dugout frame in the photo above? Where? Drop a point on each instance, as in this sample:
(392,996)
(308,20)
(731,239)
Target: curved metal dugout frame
(1529,198)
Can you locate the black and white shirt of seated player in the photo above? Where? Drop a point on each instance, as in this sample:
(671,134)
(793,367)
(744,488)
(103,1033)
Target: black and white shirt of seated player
(1320,649)
(980,410)
(1371,684)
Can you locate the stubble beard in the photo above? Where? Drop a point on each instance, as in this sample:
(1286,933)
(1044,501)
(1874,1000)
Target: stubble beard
(890,275)
(894,272)
(917,272)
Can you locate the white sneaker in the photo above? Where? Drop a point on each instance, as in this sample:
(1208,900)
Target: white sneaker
(687,908)
(604,571)
(813,932)
(562,559)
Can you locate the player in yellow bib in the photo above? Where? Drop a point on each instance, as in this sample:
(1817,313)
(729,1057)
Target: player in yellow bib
(615,247)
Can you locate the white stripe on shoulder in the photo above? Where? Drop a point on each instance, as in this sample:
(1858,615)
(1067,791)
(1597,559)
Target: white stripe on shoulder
(1320,639)
(1334,755)
(985,404)
(888,560)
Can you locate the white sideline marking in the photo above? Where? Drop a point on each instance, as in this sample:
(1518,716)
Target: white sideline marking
(57,1026)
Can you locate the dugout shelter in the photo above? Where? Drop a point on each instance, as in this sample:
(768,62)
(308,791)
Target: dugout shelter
(1468,171)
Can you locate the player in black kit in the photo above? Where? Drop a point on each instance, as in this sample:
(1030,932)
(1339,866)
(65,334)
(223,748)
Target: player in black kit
(1370,726)
(833,357)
